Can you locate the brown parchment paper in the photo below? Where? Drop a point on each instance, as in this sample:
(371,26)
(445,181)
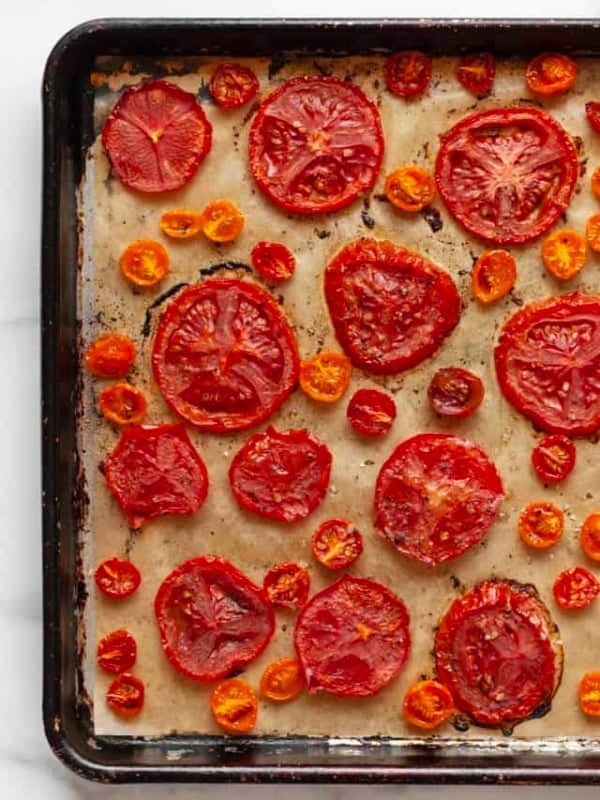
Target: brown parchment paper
(114,216)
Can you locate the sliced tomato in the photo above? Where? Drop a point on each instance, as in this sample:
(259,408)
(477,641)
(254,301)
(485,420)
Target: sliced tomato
(117,578)
(116,652)
(410,188)
(407,74)
(548,363)
(234,706)
(282,475)
(155,470)
(273,260)
(590,536)
(352,638)
(316,144)
(233,85)
(282,680)
(507,174)
(493,276)
(326,376)
(550,74)
(436,496)
(336,543)
(589,694)
(476,72)
(156,137)
(553,458)
(144,263)
(427,704)
(125,695)
(576,588)
(224,356)
(287,585)
(371,412)
(212,618)
(391,307)
(123,404)
(564,253)
(595,182)
(592,232)
(455,392)
(110,355)
(499,653)
(181,223)
(221,221)
(541,525)
(592,111)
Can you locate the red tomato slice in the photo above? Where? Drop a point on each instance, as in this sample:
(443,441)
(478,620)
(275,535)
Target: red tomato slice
(156,137)
(592,111)
(371,412)
(391,308)
(315,145)
(436,496)
(548,363)
(287,585)
(116,652)
(507,174)
(281,475)
(407,74)
(554,458)
(476,72)
(233,85)
(117,578)
(336,543)
(155,470)
(352,638)
(125,695)
(224,356)
(499,652)
(455,392)
(212,619)
(576,588)
(273,260)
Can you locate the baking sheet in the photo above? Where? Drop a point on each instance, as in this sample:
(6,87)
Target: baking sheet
(113,217)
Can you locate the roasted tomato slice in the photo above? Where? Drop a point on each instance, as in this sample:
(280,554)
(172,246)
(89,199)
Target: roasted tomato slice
(117,578)
(110,355)
(476,72)
(125,695)
(589,694)
(116,652)
(144,263)
(553,458)
(455,392)
(564,253)
(234,706)
(371,412)
(407,74)
(507,174)
(548,363)
(281,475)
(224,356)
(590,536)
(592,232)
(287,585)
(541,524)
(595,182)
(315,145)
(155,470)
(499,653)
(181,223)
(550,73)
(391,308)
(493,276)
(427,704)
(123,404)
(282,680)
(592,111)
(576,588)
(212,618)
(436,496)
(273,260)
(326,376)
(352,638)
(410,188)
(221,221)
(336,543)
(156,137)
(233,85)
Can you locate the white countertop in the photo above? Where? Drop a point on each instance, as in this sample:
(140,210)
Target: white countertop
(27,767)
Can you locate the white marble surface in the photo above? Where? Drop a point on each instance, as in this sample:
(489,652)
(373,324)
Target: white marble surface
(27,768)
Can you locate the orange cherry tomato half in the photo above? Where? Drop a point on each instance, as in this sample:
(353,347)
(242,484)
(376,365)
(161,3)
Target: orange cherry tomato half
(234,706)
(589,694)
(595,182)
(125,695)
(117,578)
(336,543)
(493,276)
(427,704)
(144,263)
(592,111)
(116,652)
(282,680)
(287,585)
(564,253)
(550,73)
(407,74)
(181,223)
(541,525)
(232,85)
(222,221)
(123,404)
(476,72)
(554,458)
(273,260)
(592,232)
(590,536)
(410,188)
(110,356)
(326,376)
(575,588)
(455,392)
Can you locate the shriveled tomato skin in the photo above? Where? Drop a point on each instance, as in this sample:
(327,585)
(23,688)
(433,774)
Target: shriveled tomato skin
(391,308)
(212,619)
(371,412)
(352,638)
(498,652)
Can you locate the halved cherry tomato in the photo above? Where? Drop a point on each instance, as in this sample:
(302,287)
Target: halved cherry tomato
(222,221)
(550,73)
(116,651)
(125,695)
(407,74)
(595,182)
(576,588)
(110,356)
(589,694)
(287,585)
(336,543)
(371,412)
(181,223)
(123,404)
(273,260)
(476,72)
(592,232)
(554,458)
(410,188)
(592,111)
(493,276)
(144,263)
(427,704)
(233,85)
(455,392)
(117,578)
(326,376)
(541,525)
(282,680)
(590,536)
(234,706)
(564,253)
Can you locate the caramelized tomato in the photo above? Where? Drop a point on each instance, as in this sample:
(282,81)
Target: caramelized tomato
(427,704)
(336,543)
(117,578)
(410,188)
(407,74)
(564,253)
(181,223)
(116,652)
(282,680)
(595,182)
(590,536)
(287,585)
(222,221)
(110,356)
(125,695)
(123,404)
(476,72)
(144,263)
(575,588)
(541,525)
(326,376)
(493,276)
(234,706)
(554,458)
(589,694)
(371,412)
(455,392)
(233,85)
(592,111)
(550,73)
(273,260)
(592,232)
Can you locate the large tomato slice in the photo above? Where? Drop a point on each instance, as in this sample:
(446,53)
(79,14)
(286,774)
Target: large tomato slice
(315,144)
(156,137)
(499,652)
(224,357)
(436,496)
(391,308)
(548,363)
(507,174)
(212,619)
(352,638)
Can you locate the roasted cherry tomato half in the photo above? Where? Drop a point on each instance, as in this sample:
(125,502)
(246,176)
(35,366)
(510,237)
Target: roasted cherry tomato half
(144,263)
(282,680)
(476,72)
(336,543)
(110,356)
(493,276)
(592,111)
(590,536)
(595,182)
(234,706)
(326,376)
(589,694)
(287,585)
(233,85)
(554,458)
(564,253)
(125,695)
(410,188)
(541,525)
(117,578)
(273,260)
(123,404)
(222,221)
(455,392)
(181,223)
(550,73)
(407,74)
(371,412)
(116,652)
(427,704)
(592,232)
(575,588)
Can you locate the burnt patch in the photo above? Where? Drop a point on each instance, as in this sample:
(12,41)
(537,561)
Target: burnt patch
(276,64)
(433,218)
(147,326)
(367,219)
(224,265)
